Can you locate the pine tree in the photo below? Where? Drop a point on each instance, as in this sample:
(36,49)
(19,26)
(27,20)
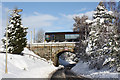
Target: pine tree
(112,46)
(16,34)
(95,40)
(103,37)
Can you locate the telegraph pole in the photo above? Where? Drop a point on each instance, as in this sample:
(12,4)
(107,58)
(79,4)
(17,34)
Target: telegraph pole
(51,52)
(16,10)
(34,35)
(6,69)
(31,41)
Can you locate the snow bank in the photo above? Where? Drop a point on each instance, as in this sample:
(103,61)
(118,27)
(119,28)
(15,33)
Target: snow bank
(27,51)
(105,74)
(83,69)
(25,66)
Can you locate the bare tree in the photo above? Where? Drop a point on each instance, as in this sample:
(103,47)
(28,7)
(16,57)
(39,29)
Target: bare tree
(115,7)
(81,26)
(40,37)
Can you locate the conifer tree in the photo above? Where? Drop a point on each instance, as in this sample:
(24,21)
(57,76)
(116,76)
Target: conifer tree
(103,37)
(112,46)
(16,34)
(95,41)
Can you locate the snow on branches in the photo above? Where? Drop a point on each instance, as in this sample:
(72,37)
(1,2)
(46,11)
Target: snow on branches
(103,36)
(16,34)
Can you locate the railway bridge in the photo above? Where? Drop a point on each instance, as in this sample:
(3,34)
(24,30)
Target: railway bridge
(52,50)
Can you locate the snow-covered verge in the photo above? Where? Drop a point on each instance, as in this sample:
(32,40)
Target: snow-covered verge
(84,70)
(25,66)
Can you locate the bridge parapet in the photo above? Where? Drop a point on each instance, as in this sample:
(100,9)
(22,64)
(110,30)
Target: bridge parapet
(54,44)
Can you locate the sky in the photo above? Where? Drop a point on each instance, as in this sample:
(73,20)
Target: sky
(49,16)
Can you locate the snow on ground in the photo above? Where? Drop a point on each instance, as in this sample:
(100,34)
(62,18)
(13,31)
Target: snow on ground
(83,69)
(25,66)
(65,63)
